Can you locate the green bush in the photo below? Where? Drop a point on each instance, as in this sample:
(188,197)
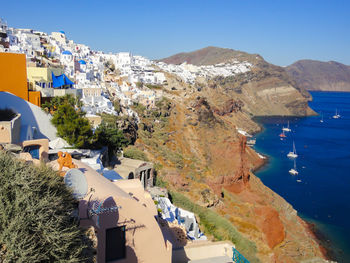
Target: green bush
(134,153)
(157,87)
(217,226)
(112,138)
(36,216)
(72,126)
(52,105)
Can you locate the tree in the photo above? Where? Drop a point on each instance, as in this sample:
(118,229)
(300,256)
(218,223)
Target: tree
(112,138)
(52,105)
(73,126)
(36,216)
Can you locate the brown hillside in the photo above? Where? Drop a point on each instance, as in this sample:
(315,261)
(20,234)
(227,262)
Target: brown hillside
(193,140)
(211,56)
(317,75)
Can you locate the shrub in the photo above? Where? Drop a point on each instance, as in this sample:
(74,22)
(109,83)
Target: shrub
(112,138)
(72,126)
(134,153)
(217,226)
(36,216)
(52,105)
(157,87)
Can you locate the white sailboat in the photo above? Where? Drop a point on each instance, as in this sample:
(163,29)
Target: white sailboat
(293,154)
(286,129)
(337,115)
(294,171)
(321,118)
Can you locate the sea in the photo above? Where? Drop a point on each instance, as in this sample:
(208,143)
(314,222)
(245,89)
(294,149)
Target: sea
(321,191)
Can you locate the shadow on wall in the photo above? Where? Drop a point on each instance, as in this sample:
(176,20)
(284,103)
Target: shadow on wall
(132,258)
(179,256)
(31,117)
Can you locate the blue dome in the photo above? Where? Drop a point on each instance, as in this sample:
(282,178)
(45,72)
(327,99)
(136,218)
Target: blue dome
(62,32)
(82,62)
(66,52)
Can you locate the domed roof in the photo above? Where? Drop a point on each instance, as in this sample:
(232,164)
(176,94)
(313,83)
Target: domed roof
(62,32)
(82,62)
(67,52)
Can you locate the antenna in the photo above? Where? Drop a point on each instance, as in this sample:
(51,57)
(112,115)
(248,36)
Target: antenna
(76,180)
(97,207)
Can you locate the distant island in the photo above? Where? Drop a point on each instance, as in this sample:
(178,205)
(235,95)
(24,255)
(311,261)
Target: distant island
(322,76)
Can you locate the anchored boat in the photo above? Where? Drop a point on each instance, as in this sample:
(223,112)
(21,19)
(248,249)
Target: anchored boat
(282,135)
(293,154)
(294,171)
(337,115)
(286,129)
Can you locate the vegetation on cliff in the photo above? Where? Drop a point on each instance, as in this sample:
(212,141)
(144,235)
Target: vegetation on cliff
(206,165)
(217,226)
(38,220)
(72,126)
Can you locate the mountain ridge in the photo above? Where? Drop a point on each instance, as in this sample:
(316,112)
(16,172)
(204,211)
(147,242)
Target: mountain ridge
(210,56)
(319,75)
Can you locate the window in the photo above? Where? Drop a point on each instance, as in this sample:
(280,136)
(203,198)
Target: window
(115,243)
(34,151)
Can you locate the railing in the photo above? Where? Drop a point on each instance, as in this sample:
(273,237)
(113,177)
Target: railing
(238,257)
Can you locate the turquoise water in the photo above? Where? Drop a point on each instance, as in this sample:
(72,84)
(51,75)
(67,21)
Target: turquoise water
(323,195)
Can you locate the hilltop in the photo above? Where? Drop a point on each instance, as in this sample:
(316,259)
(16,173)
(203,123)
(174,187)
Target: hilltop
(210,56)
(264,88)
(318,75)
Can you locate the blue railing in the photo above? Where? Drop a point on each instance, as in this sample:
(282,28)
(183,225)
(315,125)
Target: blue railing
(238,257)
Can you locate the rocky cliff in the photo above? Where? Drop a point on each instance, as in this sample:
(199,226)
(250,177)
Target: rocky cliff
(192,138)
(317,75)
(265,90)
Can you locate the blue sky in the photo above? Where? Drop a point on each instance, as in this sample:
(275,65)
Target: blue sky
(282,31)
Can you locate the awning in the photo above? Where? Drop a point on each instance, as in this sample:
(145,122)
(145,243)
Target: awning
(61,80)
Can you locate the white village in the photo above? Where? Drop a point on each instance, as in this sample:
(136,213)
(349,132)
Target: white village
(56,66)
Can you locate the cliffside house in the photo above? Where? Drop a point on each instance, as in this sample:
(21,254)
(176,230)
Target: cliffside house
(126,224)
(135,169)
(27,126)
(122,214)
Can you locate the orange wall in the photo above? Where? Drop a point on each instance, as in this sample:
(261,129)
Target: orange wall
(35,98)
(13,74)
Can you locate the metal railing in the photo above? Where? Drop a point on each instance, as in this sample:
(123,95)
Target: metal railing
(238,257)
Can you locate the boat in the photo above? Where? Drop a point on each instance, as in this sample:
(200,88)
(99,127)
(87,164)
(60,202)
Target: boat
(293,154)
(251,142)
(287,129)
(294,171)
(299,181)
(282,135)
(337,115)
(321,118)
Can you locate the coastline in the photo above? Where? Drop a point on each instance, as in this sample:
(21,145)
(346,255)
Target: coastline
(321,239)
(311,228)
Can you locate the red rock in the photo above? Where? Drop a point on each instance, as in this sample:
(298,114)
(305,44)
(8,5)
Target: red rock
(271,225)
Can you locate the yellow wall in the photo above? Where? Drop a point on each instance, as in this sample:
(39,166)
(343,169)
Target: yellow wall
(42,74)
(13,75)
